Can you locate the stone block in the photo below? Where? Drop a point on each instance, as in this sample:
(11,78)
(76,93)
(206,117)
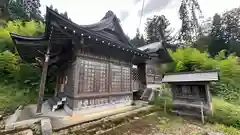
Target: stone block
(46,127)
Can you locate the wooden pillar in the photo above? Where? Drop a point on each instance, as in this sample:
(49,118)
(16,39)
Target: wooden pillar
(43,81)
(57,86)
(109,79)
(209,97)
(142,76)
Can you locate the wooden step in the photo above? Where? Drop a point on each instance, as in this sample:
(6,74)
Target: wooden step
(53,104)
(62,96)
(146,94)
(57,100)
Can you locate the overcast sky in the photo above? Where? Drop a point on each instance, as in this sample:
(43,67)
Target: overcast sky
(91,11)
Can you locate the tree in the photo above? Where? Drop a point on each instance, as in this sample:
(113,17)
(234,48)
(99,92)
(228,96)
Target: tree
(231,22)
(138,40)
(65,14)
(190,28)
(157,29)
(4,14)
(17,11)
(25,10)
(218,43)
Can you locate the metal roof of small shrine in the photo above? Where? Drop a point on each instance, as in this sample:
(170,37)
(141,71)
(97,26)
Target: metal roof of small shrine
(202,76)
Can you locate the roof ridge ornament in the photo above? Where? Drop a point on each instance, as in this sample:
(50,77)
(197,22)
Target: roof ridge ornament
(109,14)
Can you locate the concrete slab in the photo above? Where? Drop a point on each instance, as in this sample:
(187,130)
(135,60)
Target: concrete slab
(46,127)
(9,124)
(61,119)
(78,119)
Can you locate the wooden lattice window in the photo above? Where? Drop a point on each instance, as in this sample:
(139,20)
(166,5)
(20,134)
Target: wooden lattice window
(101,77)
(150,78)
(135,79)
(93,76)
(116,78)
(126,86)
(158,78)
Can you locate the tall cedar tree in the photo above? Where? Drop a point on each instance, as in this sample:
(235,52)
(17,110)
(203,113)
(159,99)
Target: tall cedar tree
(4,14)
(138,40)
(65,14)
(231,30)
(19,9)
(157,29)
(189,12)
(218,43)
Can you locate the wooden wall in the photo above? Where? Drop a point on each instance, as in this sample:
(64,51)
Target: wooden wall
(153,75)
(97,80)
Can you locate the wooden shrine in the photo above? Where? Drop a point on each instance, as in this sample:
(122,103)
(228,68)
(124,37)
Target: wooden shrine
(190,91)
(150,76)
(95,62)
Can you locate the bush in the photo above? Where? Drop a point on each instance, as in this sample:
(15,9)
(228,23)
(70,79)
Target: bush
(225,113)
(191,59)
(227,130)
(12,69)
(160,100)
(31,28)
(11,97)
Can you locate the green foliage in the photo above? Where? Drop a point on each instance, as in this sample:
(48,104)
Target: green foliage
(8,64)
(225,113)
(12,69)
(160,101)
(191,59)
(20,10)
(31,28)
(11,97)
(157,29)
(227,130)
(189,12)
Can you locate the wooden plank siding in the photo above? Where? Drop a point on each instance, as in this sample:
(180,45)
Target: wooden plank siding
(97,80)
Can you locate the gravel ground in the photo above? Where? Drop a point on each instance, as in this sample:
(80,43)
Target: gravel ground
(163,125)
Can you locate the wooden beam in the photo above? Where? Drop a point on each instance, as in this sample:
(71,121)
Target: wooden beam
(43,81)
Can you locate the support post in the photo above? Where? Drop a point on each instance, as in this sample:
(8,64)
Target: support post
(43,81)
(202,114)
(57,86)
(165,106)
(141,70)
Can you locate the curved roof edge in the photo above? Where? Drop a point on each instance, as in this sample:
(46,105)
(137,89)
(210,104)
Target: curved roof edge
(158,51)
(30,38)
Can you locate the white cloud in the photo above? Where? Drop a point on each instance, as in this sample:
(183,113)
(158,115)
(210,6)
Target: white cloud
(91,11)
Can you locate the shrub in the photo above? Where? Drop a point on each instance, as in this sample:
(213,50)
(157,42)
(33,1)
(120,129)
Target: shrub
(227,130)
(11,97)
(31,28)
(190,59)
(160,100)
(12,69)
(225,113)
(8,65)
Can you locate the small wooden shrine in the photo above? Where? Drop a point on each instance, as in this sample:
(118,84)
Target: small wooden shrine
(190,90)
(95,62)
(151,76)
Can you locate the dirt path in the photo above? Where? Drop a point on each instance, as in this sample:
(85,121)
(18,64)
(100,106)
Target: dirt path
(163,125)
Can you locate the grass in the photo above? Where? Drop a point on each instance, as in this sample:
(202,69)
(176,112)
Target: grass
(225,113)
(11,97)
(168,124)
